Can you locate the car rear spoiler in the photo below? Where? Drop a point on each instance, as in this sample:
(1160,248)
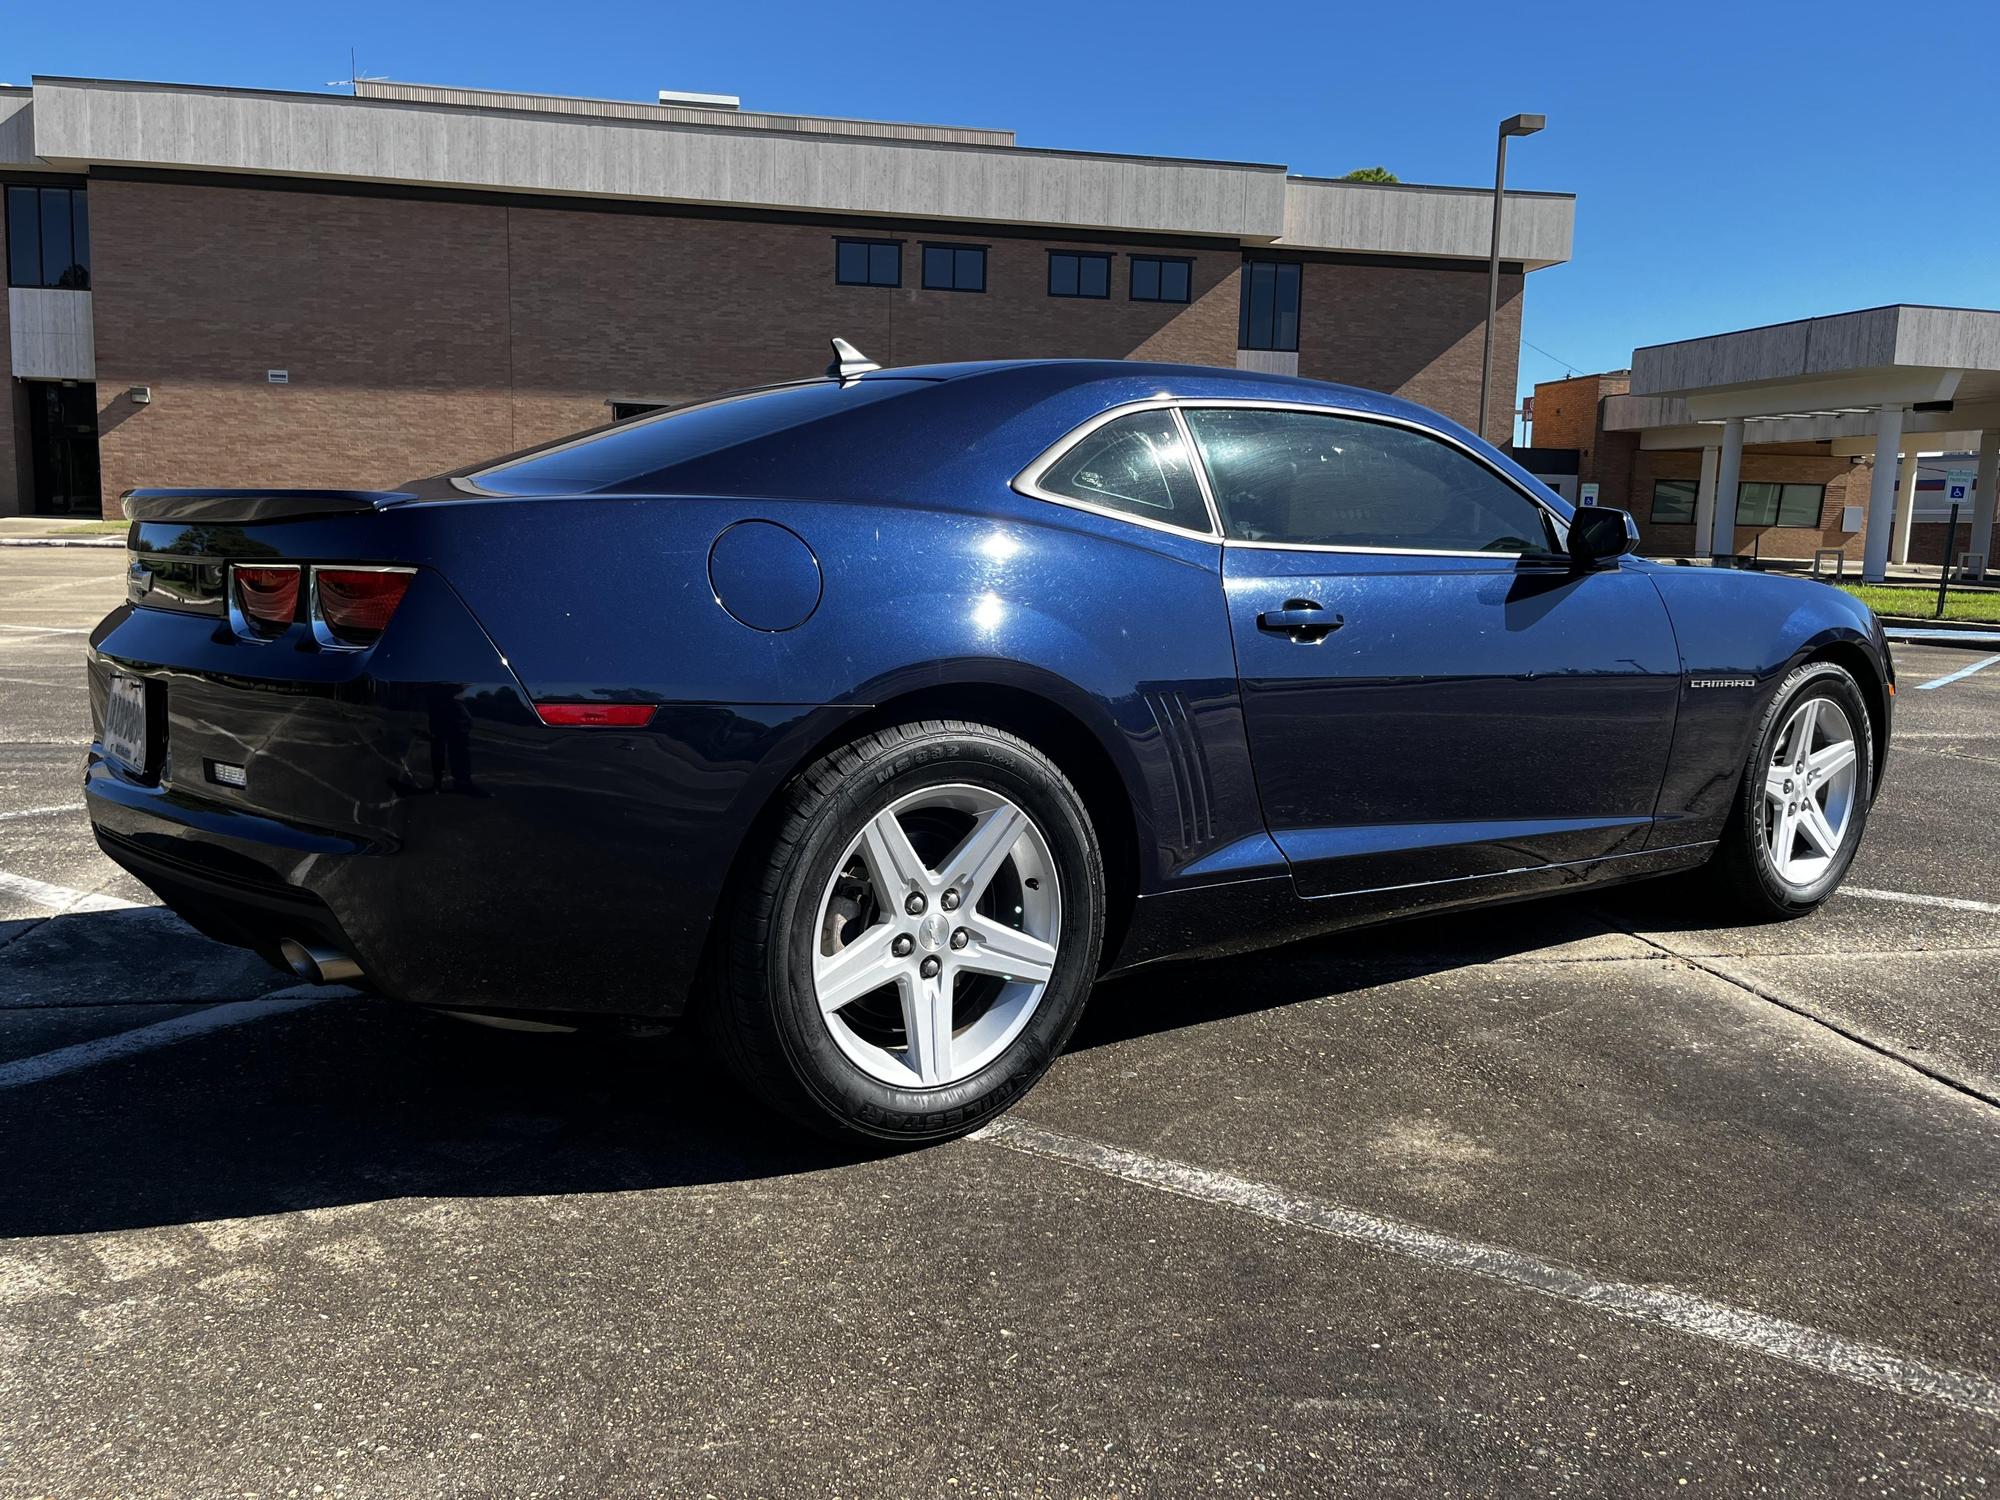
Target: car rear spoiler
(254,505)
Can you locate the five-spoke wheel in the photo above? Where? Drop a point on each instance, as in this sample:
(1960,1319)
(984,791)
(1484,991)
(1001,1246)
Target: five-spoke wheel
(937,935)
(1809,786)
(1803,801)
(919,938)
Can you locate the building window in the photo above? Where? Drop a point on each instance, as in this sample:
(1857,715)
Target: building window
(1759,504)
(1270,305)
(1078,274)
(955,268)
(868,262)
(48,238)
(1673,501)
(1158,279)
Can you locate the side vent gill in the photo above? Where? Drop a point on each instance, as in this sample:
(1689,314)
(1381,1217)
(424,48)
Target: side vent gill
(1189,762)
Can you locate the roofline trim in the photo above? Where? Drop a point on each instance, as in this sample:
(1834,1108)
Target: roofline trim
(1426,187)
(463,88)
(730,132)
(1853,312)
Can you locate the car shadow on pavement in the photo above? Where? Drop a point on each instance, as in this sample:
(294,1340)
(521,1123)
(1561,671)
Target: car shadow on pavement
(1170,995)
(364,1100)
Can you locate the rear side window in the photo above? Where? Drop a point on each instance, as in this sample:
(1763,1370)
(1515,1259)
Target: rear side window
(1331,481)
(631,456)
(1137,465)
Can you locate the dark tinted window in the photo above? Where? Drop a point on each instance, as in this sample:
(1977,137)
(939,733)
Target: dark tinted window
(955,268)
(48,238)
(630,456)
(1759,504)
(24,238)
(1270,305)
(1673,501)
(1137,465)
(1331,481)
(1077,274)
(1157,279)
(868,262)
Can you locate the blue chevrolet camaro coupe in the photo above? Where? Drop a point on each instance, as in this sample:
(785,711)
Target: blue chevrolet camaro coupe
(868,719)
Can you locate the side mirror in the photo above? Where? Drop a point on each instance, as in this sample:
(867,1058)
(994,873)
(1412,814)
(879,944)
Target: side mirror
(1599,535)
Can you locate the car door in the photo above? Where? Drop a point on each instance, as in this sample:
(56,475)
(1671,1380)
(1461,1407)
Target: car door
(1430,692)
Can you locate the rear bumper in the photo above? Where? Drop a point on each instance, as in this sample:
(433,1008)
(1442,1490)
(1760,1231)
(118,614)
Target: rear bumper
(413,812)
(572,893)
(232,901)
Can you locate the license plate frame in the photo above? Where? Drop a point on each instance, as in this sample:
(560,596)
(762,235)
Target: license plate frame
(125,723)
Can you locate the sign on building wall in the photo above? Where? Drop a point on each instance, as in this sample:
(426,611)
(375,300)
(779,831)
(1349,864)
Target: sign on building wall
(1587,494)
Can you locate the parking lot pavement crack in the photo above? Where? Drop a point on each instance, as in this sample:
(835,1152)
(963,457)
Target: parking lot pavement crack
(1662,1307)
(1885,1050)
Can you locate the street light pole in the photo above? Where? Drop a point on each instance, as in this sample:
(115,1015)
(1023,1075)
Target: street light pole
(1516,125)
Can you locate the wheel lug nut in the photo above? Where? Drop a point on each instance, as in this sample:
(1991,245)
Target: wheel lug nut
(915,905)
(902,945)
(949,900)
(929,967)
(960,938)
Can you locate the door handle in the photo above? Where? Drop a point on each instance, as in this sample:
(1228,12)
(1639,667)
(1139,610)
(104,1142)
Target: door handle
(1301,619)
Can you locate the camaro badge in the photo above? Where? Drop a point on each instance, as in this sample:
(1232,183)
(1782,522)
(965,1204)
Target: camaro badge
(1723,682)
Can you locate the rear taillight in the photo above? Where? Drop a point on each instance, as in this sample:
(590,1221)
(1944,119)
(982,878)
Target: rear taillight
(351,606)
(267,597)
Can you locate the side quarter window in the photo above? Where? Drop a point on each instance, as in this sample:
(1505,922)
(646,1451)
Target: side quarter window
(1332,481)
(1137,465)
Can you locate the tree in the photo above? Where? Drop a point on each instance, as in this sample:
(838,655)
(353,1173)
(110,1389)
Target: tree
(1371,174)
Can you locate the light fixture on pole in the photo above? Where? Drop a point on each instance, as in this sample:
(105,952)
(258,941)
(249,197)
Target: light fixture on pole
(1517,125)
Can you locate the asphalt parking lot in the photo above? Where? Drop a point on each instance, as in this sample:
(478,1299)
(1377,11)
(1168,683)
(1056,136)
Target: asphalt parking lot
(1565,1198)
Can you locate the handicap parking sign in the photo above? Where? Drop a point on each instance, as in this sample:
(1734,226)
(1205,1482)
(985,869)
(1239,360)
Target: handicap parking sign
(1958,492)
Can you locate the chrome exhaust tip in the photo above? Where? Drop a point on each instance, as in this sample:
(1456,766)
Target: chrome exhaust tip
(316,965)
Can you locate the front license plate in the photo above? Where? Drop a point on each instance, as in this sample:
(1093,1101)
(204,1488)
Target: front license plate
(125,723)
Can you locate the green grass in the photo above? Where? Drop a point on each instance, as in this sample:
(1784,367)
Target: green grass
(1886,599)
(95,528)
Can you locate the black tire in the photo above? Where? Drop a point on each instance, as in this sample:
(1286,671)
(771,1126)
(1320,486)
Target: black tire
(764,1018)
(1748,882)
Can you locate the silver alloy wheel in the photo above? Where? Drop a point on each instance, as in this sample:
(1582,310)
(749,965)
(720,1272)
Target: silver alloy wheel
(1810,788)
(927,969)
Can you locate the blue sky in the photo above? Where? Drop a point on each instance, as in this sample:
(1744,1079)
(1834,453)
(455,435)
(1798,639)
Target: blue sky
(1734,164)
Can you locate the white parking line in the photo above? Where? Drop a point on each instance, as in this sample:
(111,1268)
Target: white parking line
(40,812)
(1660,1307)
(61,899)
(47,1065)
(1908,898)
(1950,677)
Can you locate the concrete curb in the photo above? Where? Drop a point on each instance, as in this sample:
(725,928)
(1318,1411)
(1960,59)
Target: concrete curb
(62,541)
(1986,639)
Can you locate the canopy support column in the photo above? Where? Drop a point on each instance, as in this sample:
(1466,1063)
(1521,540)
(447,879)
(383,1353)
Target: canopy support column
(1882,495)
(1982,495)
(1723,543)
(1704,505)
(1906,505)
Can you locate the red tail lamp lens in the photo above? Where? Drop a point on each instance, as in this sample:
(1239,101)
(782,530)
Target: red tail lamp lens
(355,603)
(269,597)
(596,715)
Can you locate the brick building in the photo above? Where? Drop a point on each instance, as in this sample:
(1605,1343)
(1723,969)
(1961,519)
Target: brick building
(236,286)
(1843,432)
